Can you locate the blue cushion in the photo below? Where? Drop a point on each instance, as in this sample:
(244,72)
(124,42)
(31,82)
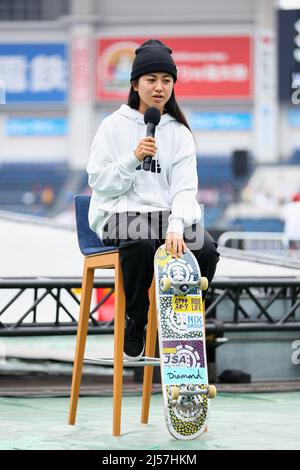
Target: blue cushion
(89,243)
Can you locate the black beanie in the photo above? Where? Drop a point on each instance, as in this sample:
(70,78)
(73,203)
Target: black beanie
(153,56)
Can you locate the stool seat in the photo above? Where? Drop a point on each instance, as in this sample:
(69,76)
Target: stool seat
(98,250)
(96,255)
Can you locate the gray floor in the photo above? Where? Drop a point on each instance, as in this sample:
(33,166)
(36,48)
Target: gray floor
(238,421)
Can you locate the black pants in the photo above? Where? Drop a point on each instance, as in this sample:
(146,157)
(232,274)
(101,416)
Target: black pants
(137,248)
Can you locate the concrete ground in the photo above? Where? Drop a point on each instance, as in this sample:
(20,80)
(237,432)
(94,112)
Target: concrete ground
(238,421)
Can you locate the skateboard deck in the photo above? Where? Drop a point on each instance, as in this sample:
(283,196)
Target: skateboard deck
(181,333)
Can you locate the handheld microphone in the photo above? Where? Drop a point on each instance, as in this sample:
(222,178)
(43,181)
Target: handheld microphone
(151,118)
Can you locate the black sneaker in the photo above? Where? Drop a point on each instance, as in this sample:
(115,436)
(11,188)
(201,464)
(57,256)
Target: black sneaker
(134,344)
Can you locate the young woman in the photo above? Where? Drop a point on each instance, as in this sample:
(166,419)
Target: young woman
(138,210)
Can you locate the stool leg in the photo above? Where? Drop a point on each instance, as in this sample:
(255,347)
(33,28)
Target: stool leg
(150,350)
(119,326)
(86,294)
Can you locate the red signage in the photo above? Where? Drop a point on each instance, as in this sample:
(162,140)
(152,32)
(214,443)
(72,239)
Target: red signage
(209,67)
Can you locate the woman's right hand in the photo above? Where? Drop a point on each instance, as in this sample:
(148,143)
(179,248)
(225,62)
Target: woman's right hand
(145,147)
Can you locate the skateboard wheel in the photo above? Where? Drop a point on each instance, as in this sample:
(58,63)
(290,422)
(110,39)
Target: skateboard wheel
(174,393)
(203,283)
(212,391)
(165,284)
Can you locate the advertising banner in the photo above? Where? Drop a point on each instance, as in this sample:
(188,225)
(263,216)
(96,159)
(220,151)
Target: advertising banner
(209,67)
(45,127)
(34,72)
(288,50)
(209,121)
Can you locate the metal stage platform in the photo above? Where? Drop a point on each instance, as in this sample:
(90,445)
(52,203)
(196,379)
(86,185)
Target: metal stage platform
(251,304)
(41,266)
(253,311)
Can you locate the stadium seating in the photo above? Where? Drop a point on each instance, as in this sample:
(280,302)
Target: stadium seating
(31,187)
(257,224)
(295,158)
(217,186)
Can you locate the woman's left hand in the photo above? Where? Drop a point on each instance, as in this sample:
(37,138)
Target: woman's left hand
(175,244)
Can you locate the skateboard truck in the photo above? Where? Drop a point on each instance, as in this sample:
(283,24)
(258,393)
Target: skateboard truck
(182,287)
(192,391)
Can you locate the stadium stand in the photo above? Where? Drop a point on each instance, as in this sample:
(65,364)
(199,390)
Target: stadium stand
(48,189)
(295,158)
(257,224)
(31,187)
(218,187)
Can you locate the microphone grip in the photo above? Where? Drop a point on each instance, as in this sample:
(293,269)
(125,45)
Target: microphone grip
(150,132)
(150,129)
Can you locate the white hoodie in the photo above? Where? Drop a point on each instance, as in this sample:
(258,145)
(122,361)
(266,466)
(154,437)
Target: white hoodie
(120,185)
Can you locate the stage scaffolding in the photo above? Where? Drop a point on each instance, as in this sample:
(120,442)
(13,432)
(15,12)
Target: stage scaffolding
(233,304)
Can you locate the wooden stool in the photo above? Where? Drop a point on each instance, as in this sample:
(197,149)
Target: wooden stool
(99,256)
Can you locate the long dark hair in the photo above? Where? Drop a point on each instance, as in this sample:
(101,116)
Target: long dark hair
(171,107)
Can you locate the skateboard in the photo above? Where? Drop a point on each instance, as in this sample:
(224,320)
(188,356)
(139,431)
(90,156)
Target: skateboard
(181,333)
